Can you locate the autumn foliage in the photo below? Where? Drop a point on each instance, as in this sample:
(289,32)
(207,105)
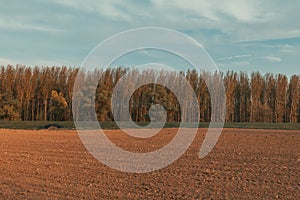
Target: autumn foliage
(45,93)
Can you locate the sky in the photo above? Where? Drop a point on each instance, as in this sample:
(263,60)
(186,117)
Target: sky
(239,35)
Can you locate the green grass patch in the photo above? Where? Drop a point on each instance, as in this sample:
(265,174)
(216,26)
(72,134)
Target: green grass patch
(36,125)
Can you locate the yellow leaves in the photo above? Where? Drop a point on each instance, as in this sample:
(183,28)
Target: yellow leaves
(54,94)
(58,99)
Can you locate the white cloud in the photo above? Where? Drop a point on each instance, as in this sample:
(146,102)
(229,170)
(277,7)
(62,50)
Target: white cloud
(241,20)
(234,65)
(216,24)
(289,49)
(234,57)
(272,58)
(6,61)
(110,9)
(244,11)
(14,24)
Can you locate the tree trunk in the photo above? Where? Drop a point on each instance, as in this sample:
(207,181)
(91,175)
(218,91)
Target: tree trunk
(45,109)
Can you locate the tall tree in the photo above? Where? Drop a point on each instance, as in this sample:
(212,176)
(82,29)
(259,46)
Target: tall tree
(294,99)
(281,98)
(230,85)
(257,92)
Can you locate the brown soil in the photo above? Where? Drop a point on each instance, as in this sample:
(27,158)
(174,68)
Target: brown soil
(245,164)
(52,128)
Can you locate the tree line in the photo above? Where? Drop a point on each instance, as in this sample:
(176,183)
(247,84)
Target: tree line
(45,93)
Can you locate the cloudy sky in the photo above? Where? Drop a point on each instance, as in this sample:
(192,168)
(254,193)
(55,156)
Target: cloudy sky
(239,35)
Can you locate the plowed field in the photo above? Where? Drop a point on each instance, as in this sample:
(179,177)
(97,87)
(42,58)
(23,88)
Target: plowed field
(245,164)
